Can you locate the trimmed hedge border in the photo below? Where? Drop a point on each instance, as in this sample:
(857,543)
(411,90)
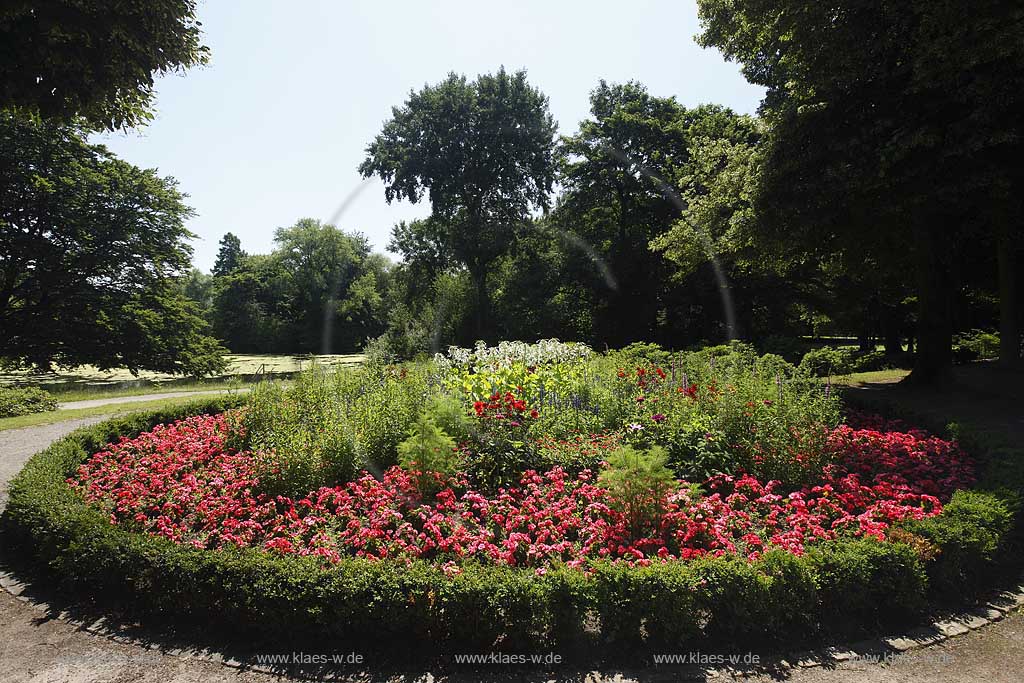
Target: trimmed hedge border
(842,588)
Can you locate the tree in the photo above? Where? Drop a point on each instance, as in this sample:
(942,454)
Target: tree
(91,250)
(896,136)
(252,306)
(619,174)
(482,152)
(230,255)
(638,176)
(94,59)
(329,269)
(197,286)
(320,291)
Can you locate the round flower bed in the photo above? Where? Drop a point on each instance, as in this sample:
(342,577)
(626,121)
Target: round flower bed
(733,508)
(180,481)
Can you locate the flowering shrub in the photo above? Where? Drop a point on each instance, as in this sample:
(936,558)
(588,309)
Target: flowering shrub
(184,482)
(509,353)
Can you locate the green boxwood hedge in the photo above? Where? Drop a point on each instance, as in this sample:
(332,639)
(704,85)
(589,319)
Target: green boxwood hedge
(840,587)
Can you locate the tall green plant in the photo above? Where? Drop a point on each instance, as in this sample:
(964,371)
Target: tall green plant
(429,454)
(638,482)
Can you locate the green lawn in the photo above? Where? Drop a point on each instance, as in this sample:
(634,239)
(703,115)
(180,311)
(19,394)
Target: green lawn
(860,379)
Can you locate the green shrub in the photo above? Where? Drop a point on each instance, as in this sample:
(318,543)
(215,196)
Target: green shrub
(15,402)
(975,345)
(385,402)
(825,361)
(300,434)
(970,532)
(790,348)
(451,415)
(867,582)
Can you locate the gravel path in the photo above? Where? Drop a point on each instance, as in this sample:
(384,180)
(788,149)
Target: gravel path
(35,647)
(18,445)
(96,402)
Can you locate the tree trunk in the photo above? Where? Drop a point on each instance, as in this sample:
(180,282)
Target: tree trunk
(483,302)
(935,315)
(1009,321)
(891,332)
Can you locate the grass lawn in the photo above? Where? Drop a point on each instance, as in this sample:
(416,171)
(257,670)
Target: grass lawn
(76,413)
(87,382)
(859,379)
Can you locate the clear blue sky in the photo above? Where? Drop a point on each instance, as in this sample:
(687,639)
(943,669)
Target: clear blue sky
(272,130)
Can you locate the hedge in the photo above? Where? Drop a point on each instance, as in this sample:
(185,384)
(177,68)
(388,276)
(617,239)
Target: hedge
(843,586)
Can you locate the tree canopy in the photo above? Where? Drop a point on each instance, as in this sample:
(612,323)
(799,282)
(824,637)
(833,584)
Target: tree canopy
(482,152)
(91,249)
(321,291)
(94,59)
(896,136)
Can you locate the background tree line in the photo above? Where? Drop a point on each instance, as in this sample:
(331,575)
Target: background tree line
(876,192)
(321,290)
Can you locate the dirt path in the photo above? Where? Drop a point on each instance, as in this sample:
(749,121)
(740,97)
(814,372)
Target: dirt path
(36,647)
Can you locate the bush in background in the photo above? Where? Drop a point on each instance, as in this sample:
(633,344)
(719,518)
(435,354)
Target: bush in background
(15,402)
(975,345)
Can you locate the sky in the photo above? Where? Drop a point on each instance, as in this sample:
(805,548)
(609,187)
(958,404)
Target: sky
(274,128)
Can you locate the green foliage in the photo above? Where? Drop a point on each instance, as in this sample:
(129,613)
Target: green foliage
(638,482)
(16,401)
(866,581)
(300,433)
(430,454)
(721,409)
(828,360)
(382,403)
(90,250)
(622,174)
(229,256)
(483,153)
(975,345)
(330,423)
(971,532)
(95,60)
(321,290)
(916,112)
(450,414)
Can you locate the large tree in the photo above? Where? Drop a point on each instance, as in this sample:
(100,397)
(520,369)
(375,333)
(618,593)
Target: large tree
(91,249)
(896,137)
(482,152)
(94,59)
(229,256)
(635,177)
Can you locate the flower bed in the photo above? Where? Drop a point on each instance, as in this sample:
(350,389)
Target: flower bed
(181,482)
(775,521)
